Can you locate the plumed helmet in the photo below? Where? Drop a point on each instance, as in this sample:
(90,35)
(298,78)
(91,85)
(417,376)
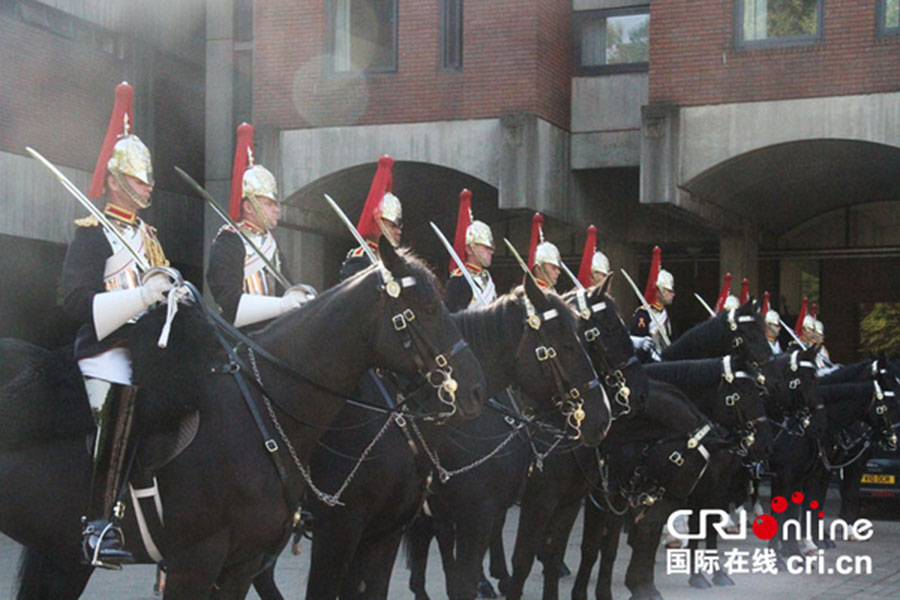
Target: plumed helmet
(600,264)
(809,323)
(547,253)
(772,317)
(819,327)
(391,209)
(665,280)
(731,303)
(479,233)
(131,157)
(122,152)
(259,181)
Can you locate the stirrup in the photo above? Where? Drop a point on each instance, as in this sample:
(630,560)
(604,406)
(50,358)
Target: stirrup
(114,555)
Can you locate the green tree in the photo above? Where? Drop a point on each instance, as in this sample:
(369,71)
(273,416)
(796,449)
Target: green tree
(627,43)
(792,17)
(880,329)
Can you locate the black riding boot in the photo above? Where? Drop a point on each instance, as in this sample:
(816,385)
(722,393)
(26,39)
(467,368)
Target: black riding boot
(103,542)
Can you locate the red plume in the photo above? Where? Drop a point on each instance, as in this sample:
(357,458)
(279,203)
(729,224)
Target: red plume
(745,290)
(723,293)
(587,256)
(241,163)
(463,220)
(121,107)
(798,327)
(651,293)
(814,310)
(382,183)
(537,230)
(765,304)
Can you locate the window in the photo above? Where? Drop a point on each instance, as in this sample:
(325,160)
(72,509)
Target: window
(889,17)
(777,22)
(451,34)
(612,41)
(363,35)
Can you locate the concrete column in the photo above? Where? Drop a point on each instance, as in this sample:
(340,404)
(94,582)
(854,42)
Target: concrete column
(219,127)
(739,255)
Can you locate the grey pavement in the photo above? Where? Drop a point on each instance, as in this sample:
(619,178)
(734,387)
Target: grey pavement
(136,582)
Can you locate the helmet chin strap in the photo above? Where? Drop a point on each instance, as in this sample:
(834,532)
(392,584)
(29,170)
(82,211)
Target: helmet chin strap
(260,215)
(129,191)
(387,234)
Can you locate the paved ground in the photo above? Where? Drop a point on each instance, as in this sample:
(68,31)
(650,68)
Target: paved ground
(884,581)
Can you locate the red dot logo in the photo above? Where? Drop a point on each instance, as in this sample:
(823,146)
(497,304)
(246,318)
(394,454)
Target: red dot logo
(814,504)
(797,497)
(821,514)
(779,504)
(765,526)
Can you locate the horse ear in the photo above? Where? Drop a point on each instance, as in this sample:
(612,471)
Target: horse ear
(746,307)
(388,254)
(604,289)
(535,295)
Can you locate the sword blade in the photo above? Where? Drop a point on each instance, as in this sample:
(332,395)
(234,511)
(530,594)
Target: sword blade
(86,203)
(224,216)
(700,299)
(459,263)
(351,228)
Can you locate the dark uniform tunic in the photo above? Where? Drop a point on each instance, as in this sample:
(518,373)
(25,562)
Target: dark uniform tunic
(228,273)
(642,324)
(357,260)
(459,295)
(85,273)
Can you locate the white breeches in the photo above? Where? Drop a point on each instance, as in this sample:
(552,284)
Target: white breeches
(113,366)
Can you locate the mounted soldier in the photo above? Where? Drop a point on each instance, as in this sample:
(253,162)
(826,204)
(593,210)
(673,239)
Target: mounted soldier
(773,325)
(245,265)
(382,214)
(659,293)
(594,267)
(544,259)
(474,241)
(104,289)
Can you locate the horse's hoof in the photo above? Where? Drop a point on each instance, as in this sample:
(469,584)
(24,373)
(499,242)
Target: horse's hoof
(722,578)
(646,591)
(699,582)
(503,585)
(485,589)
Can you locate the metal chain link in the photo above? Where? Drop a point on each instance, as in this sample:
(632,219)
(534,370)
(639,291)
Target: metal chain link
(446,475)
(328,499)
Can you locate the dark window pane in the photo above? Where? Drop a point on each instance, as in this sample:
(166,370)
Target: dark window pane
(363,35)
(243,20)
(452,29)
(770,19)
(615,40)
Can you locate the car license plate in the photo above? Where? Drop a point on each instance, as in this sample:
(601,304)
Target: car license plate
(873,478)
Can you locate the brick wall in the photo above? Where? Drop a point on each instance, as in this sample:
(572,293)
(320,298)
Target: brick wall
(516,58)
(56,94)
(693,59)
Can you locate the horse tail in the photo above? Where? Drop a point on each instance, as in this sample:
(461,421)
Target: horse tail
(40,577)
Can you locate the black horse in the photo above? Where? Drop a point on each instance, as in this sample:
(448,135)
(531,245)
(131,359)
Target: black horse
(738,331)
(467,511)
(887,373)
(354,546)
(225,505)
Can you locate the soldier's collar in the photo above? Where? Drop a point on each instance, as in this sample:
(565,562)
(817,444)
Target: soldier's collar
(251,227)
(474,268)
(120,214)
(373,246)
(657,307)
(543,284)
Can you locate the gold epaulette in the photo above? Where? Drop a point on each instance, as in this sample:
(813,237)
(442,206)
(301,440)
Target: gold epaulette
(88,221)
(457,272)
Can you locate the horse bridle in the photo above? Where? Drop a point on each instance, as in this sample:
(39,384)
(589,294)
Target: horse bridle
(879,407)
(568,399)
(440,375)
(733,321)
(613,374)
(746,428)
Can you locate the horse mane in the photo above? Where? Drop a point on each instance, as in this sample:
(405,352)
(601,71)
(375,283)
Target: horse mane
(170,379)
(485,326)
(844,401)
(699,340)
(848,373)
(45,400)
(695,375)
